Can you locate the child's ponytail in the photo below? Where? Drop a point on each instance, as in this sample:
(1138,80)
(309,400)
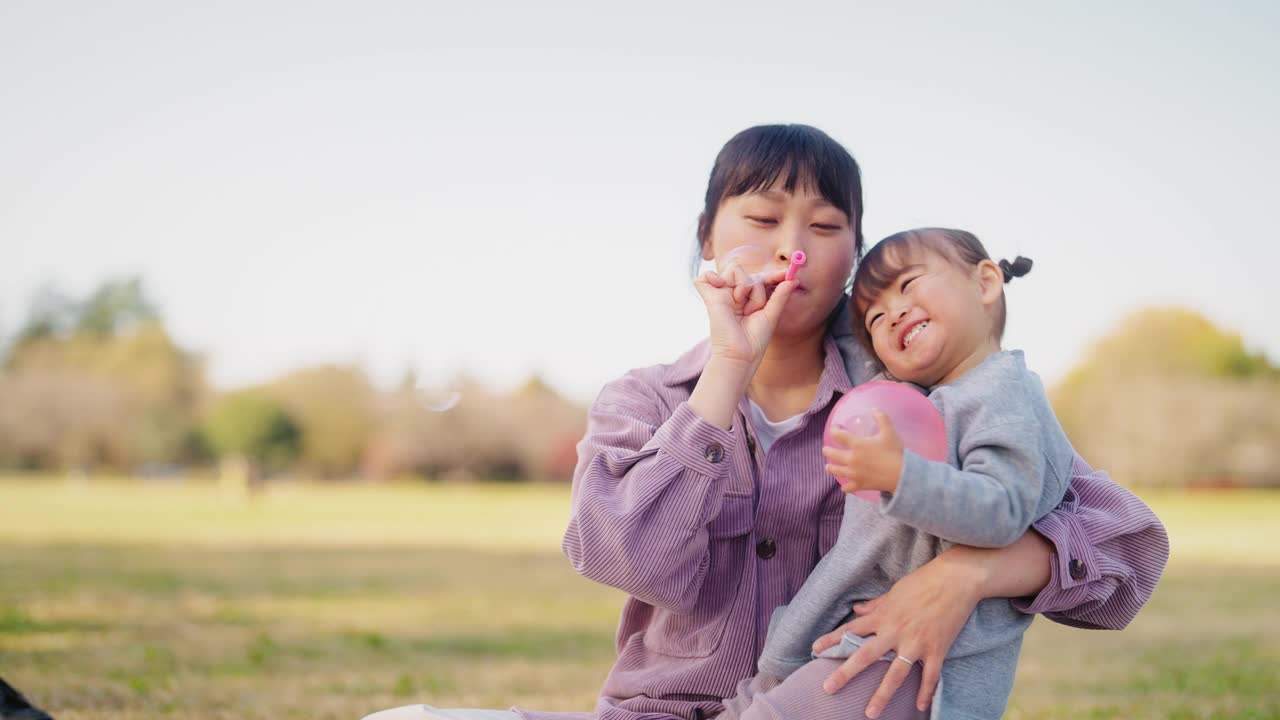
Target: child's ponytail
(1019,267)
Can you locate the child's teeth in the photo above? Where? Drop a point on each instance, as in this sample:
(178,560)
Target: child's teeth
(914,332)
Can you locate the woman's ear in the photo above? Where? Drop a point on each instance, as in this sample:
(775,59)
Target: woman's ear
(704,234)
(990,282)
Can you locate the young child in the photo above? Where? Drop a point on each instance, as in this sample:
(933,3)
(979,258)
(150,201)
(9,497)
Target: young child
(930,305)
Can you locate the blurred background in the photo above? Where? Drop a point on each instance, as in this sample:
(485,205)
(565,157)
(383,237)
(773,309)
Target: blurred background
(302,305)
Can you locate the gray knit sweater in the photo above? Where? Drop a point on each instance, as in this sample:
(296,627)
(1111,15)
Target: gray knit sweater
(1009,463)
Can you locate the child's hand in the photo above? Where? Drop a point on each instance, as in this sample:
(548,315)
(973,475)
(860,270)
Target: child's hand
(866,463)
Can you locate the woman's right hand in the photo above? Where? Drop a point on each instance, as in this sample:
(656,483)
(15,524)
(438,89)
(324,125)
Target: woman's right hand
(743,316)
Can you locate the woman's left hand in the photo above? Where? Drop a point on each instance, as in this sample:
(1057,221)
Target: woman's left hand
(918,619)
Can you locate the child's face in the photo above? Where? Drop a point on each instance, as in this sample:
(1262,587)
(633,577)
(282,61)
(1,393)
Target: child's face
(935,322)
(782,223)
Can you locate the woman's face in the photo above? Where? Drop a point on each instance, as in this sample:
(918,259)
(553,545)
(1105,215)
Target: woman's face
(779,223)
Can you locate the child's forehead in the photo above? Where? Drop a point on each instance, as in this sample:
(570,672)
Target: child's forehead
(890,264)
(902,258)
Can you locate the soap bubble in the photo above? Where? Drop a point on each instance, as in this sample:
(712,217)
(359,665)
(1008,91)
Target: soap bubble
(755,261)
(438,399)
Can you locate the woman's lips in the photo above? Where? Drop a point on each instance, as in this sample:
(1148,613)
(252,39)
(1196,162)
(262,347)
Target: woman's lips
(768,290)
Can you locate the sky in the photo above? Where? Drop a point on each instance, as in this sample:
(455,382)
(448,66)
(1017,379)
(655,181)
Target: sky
(503,189)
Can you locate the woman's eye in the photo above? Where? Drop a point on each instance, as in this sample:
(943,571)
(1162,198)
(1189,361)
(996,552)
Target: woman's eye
(762,220)
(828,228)
(872,322)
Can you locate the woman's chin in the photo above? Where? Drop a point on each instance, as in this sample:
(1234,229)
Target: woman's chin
(798,321)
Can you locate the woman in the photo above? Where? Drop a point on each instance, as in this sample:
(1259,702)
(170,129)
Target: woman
(700,488)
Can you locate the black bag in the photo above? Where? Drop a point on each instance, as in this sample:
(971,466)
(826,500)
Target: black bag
(13,706)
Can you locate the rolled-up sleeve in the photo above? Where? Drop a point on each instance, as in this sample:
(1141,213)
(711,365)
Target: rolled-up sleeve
(646,485)
(1109,552)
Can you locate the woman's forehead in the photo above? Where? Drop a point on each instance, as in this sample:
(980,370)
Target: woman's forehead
(785,183)
(777,193)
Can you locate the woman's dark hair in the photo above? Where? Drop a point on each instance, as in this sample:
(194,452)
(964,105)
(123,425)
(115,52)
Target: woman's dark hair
(757,157)
(888,258)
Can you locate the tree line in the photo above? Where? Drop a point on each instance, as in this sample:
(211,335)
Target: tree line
(97,384)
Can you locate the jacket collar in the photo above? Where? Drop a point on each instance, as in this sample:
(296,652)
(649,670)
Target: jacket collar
(835,378)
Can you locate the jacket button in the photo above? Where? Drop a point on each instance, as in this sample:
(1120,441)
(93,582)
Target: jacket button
(1076,568)
(766,549)
(714,453)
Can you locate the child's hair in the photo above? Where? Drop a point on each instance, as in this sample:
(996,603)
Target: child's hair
(755,158)
(887,259)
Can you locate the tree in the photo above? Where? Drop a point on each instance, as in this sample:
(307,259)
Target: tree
(251,425)
(53,418)
(114,308)
(1171,341)
(1168,398)
(334,407)
(114,347)
(51,314)
(465,430)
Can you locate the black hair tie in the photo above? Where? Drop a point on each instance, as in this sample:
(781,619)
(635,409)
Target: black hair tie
(1019,267)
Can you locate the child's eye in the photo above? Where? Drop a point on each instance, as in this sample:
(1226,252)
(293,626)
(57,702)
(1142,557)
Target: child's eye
(828,228)
(905,283)
(762,220)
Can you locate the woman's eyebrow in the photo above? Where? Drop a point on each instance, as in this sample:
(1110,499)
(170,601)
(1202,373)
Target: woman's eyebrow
(781,196)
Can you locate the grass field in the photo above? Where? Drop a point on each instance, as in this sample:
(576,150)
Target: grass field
(128,600)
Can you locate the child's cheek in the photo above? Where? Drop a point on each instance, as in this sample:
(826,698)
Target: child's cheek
(877,344)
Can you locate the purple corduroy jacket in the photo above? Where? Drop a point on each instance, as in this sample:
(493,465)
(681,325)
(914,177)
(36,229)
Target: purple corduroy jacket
(707,535)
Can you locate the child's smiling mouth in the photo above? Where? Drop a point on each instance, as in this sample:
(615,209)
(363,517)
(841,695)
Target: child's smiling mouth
(912,332)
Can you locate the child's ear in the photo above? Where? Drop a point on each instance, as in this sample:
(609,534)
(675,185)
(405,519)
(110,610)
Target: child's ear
(990,281)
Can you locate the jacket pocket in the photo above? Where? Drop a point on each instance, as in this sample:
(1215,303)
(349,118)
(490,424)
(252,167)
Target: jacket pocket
(698,632)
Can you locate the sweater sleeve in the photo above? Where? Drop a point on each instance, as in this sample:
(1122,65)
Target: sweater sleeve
(989,501)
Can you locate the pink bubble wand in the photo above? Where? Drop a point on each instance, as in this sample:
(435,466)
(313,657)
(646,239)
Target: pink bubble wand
(797,259)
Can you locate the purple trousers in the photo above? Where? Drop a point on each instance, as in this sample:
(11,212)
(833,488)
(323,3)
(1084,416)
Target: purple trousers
(800,695)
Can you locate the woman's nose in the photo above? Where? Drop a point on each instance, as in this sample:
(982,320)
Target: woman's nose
(784,254)
(792,243)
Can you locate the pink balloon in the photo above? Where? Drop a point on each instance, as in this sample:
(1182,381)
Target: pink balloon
(917,421)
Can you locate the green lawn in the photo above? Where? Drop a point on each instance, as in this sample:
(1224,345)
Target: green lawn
(129,600)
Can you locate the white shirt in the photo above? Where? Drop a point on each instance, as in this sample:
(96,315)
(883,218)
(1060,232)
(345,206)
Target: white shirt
(766,430)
